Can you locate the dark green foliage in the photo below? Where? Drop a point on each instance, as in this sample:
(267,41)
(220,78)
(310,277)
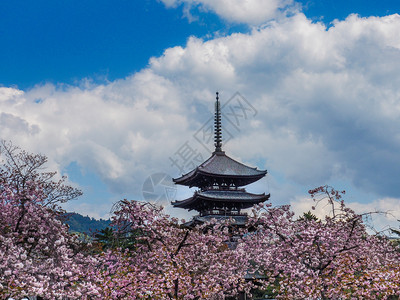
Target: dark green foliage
(106,238)
(109,238)
(396,240)
(308,216)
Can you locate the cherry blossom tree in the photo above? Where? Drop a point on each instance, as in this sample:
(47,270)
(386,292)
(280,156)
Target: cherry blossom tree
(333,258)
(37,254)
(19,167)
(167,260)
(297,258)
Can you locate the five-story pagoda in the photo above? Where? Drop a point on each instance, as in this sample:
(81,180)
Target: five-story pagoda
(220,180)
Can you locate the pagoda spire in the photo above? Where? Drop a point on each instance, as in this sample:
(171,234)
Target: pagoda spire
(217,126)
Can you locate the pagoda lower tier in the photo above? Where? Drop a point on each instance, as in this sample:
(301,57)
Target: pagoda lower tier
(221,202)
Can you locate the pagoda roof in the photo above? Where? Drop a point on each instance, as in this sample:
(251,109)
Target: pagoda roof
(220,167)
(233,197)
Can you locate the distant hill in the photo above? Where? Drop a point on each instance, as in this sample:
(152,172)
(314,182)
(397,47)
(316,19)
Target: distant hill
(86,225)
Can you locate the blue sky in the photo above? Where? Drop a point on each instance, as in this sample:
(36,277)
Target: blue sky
(65,41)
(111,90)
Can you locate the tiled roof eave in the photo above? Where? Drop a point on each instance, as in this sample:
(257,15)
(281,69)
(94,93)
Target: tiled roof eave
(187,203)
(196,176)
(205,169)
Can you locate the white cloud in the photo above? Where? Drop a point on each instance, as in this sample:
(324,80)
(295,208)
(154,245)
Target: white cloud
(327,104)
(320,86)
(9,94)
(96,211)
(379,215)
(385,213)
(253,12)
(303,204)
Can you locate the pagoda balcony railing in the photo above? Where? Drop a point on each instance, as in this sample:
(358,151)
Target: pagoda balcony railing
(221,212)
(222,188)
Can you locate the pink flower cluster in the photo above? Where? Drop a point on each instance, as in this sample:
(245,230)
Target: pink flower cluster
(168,260)
(37,254)
(156,257)
(333,258)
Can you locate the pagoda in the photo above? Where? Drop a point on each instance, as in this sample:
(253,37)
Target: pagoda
(220,181)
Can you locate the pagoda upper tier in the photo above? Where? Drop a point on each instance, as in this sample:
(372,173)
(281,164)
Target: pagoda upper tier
(220,170)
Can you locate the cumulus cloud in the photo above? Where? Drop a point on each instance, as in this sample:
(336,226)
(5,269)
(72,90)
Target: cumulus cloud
(326,100)
(252,12)
(98,127)
(330,88)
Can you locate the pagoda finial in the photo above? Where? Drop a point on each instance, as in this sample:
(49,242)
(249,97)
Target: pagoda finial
(217,126)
